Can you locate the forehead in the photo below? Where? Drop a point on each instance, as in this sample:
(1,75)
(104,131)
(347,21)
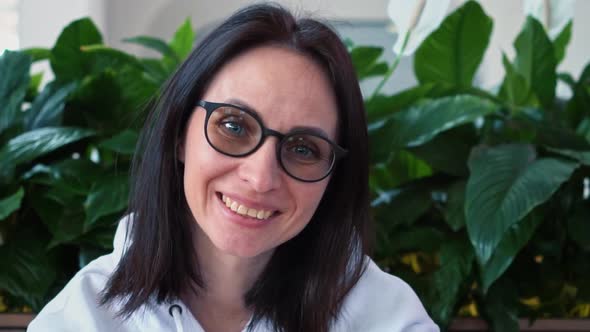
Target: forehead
(285,88)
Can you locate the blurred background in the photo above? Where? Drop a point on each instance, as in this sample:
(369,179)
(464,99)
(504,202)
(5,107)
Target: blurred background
(37,23)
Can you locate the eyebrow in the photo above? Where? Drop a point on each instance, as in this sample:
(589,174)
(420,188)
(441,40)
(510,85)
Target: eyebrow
(310,129)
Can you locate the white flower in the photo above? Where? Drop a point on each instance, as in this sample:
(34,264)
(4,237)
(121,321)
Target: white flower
(553,14)
(414,21)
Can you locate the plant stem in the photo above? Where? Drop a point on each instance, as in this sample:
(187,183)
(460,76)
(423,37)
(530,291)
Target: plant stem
(393,66)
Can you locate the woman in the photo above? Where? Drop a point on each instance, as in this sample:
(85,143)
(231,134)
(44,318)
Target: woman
(249,206)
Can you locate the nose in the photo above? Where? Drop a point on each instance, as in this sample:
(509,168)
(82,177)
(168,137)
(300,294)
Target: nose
(261,169)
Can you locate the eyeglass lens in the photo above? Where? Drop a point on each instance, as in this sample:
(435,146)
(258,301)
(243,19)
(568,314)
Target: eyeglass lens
(237,133)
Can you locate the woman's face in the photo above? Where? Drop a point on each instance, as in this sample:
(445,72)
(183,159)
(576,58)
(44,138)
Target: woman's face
(288,91)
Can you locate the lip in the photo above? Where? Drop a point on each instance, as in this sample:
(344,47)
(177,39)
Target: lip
(242,220)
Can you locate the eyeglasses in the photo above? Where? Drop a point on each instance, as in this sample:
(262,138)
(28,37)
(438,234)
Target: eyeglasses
(238,132)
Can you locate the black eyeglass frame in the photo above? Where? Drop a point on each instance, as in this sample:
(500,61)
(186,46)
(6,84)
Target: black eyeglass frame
(210,107)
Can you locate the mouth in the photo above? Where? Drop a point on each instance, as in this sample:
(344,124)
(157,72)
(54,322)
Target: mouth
(246,211)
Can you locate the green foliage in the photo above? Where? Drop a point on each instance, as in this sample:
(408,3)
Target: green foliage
(65,152)
(453,52)
(475,193)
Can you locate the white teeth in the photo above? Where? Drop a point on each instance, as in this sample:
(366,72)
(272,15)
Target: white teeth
(244,210)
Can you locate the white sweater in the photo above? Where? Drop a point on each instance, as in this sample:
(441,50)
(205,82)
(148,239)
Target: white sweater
(379,302)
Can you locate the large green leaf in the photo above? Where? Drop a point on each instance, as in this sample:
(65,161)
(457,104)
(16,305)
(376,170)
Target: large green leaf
(535,60)
(11,203)
(123,143)
(183,39)
(501,307)
(453,52)
(578,226)
(103,58)
(364,60)
(456,260)
(38,142)
(401,206)
(454,211)
(380,107)
(448,151)
(561,41)
(47,109)
(422,122)
(31,270)
(582,156)
(505,184)
(514,88)
(578,106)
(14,81)
(106,197)
(153,43)
(514,239)
(68,60)
(62,212)
(402,167)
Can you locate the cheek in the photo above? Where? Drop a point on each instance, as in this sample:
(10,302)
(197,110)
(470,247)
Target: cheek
(309,197)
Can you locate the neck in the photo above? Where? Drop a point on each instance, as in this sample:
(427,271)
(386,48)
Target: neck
(227,278)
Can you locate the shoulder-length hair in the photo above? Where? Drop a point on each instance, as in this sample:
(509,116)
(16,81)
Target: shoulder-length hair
(305,282)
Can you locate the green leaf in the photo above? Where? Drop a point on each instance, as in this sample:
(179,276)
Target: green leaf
(517,236)
(155,69)
(561,41)
(88,254)
(47,108)
(454,211)
(38,142)
(38,53)
(578,227)
(182,42)
(103,58)
(123,143)
(14,73)
(364,60)
(501,307)
(514,88)
(422,122)
(456,261)
(402,167)
(577,107)
(379,108)
(62,213)
(155,44)
(401,206)
(31,269)
(34,84)
(505,184)
(548,134)
(448,151)
(106,197)
(68,60)
(582,156)
(453,52)
(535,61)
(11,203)
(427,239)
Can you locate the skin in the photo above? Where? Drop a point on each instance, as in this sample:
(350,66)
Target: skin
(287,90)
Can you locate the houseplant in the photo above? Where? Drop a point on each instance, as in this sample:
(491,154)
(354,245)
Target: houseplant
(479,193)
(65,153)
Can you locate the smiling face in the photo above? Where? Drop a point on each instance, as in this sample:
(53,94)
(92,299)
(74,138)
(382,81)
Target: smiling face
(288,91)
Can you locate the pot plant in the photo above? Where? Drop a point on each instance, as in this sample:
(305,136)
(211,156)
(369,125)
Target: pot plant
(481,198)
(65,152)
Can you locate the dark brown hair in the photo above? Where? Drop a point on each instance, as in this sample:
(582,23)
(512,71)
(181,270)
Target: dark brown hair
(305,282)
